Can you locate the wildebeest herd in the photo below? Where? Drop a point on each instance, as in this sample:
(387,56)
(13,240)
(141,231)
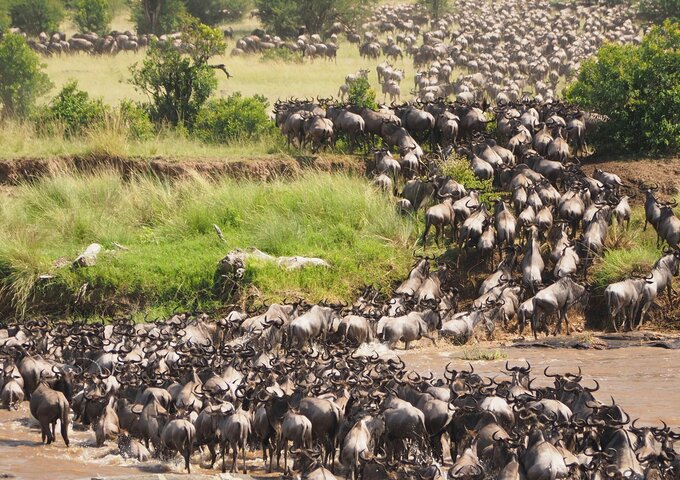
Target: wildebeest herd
(292,381)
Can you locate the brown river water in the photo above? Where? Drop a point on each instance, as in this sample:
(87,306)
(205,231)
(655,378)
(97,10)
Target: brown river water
(644,380)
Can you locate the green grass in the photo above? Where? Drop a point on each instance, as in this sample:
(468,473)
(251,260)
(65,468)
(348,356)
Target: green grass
(628,251)
(107,76)
(22,139)
(477,353)
(173,250)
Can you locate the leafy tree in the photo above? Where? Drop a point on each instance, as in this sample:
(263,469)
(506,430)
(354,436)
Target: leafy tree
(159,16)
(177,83)
(659,10)
(283,17)
(361,94)
(35,16)
(436,8)
(214,12)
(638,88)
(22,79)
(93,15)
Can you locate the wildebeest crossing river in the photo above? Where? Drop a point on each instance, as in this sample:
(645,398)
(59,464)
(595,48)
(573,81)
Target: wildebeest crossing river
(645,381)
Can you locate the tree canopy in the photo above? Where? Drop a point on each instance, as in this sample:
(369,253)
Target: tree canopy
(284,17)
(638,88)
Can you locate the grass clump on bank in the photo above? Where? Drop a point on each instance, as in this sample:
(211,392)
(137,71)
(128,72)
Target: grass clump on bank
(171,249)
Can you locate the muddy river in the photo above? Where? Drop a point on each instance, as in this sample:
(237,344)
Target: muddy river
(644,380)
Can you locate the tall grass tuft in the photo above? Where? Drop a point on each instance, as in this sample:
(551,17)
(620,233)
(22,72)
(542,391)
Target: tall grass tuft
(172,249)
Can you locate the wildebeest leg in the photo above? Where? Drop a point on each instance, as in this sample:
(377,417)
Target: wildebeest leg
(669,287)
(431,338)
(213,454)
(234,447)
(223,448)
(438,233)
(64,433)
(243,452)
(187,455)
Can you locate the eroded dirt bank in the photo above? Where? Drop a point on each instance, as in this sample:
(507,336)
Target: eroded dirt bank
(261,168)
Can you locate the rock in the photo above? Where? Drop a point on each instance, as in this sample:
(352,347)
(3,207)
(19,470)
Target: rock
(89,257)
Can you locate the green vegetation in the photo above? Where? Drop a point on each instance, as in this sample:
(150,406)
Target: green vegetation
(178,84)
(477,353)
(436,8)
(361,94)
(35,16)
(638,88)
(659,10)
(22,79)
(72,111)
(214,12)
(234,119)
(172,250)
(159,16)
(628,252)
(285,17)
(93,16)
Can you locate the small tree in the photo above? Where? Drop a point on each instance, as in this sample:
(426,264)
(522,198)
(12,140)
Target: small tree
(361,94)
(35,16)
(214,12)
(176,83)
(436,8)
(22,80)
(659,10)
(93,15)
(638,88)
(159,16)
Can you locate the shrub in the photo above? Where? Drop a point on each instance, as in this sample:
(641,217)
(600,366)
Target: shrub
(459,169)
(638,88)
(159,16)
(22,80)
(659,10)
(361,94)
(93,15)
(233,118)
(73,110)
(214,12)
(176,83)
(35,16)
(281,55)
(138,124)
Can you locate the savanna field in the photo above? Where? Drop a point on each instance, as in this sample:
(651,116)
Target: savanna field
(339,239)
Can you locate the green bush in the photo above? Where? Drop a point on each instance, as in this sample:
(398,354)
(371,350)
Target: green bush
(459,169)
(35,16)
(638,88)
(73,110)
(214,12)
(138,124)
(159,16)
(22,80)
(281,55)
(233,118)
(361,94)
(93,16)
